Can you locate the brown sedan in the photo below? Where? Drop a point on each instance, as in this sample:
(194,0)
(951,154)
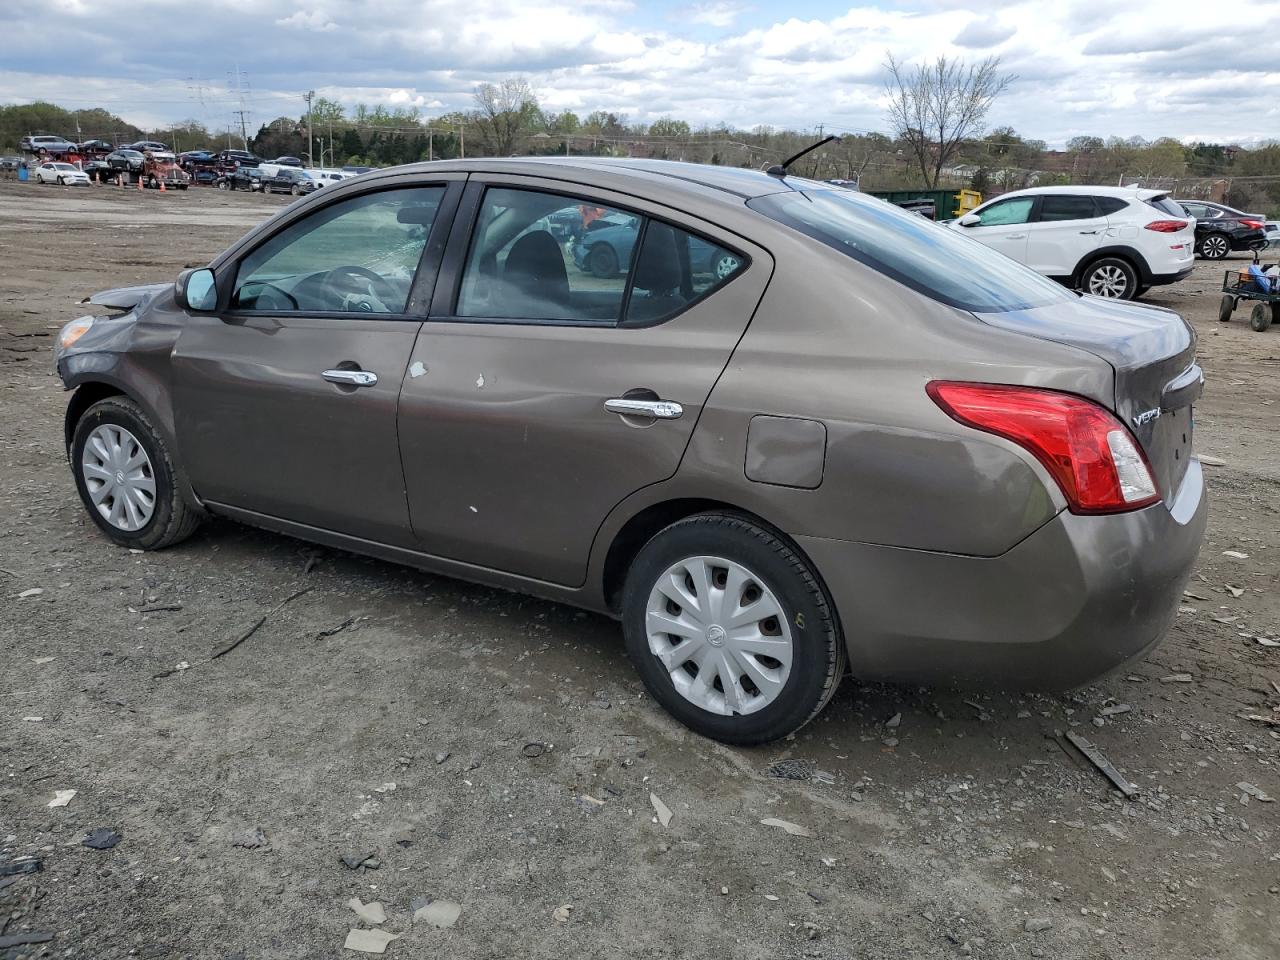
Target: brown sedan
(778,428)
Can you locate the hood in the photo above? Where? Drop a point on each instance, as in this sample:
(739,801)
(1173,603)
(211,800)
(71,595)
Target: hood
(127,298)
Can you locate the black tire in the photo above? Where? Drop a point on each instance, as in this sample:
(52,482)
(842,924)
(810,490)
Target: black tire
(224,185)
(61,182)
(1214,247)
(1094,279)
(602,261)
(1226,306)
(294,190)
(1260,317)
(818,651)
(173,519)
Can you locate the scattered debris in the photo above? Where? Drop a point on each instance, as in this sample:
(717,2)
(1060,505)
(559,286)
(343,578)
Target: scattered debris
(1037,924)
(1254,792)
(661,809)
(892,722)
(535,748)
(439,913)
(371,913)
(828,861)
(1195,596)
(102,838)
(388,787)
(161,608)
(41,661)
(561,913)
(1235,554)
(1209,461)
(771,897)
(1267,641)
(350,621)
(33,592)
(313,557)
(824,778)
(369,941)
(1114,709)
(1099,760)
(1236,592)
(1178,678)
(791,769)
(32,719)
(254,629)
(792,828)
(442,756)
(354,861)
(1259,718)
(61,798)
(253,839)
(22,865)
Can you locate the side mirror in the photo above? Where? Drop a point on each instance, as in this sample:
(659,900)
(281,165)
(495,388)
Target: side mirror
(970,220)
(195,290)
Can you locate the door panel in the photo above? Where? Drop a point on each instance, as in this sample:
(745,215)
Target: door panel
(260,428)
(511,460)
(1056,246)
(1004,227)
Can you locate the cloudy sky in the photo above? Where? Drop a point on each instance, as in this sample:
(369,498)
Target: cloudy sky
(1183,68)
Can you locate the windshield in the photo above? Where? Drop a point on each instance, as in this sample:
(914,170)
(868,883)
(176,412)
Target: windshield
(927,257)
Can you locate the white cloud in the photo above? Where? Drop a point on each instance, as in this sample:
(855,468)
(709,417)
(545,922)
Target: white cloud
(984,32)
(720,14)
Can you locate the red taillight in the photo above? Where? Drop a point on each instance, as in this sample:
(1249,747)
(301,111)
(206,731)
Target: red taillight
(1167,226)
(1090,454)
(1252,224)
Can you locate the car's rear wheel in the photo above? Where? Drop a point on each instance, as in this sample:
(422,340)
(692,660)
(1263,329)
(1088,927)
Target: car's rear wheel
(602,261)
(126,477)
(1214,247)
(1226,306)
(730,629)
(1260,317)
(1110,277)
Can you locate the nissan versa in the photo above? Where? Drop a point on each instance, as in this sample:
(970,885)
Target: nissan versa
(797,431)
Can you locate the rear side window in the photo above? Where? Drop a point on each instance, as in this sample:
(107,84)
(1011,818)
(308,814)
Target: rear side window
(1056,207)
(1166,204)
(928,257)
(548,257)
(1109,205)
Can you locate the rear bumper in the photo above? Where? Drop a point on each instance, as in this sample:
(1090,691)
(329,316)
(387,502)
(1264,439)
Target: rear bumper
(1161,279)
(1079,598)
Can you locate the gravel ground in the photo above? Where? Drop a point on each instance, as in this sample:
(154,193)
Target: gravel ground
(497,751)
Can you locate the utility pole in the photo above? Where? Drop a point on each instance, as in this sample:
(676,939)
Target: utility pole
(243,112)
(308,96)
(431,144)
(462,142)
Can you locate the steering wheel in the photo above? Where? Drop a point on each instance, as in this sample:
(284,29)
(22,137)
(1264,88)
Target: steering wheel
(331,287)
(273,289)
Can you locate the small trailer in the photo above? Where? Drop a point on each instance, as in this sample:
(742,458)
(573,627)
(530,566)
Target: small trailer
(1252,284)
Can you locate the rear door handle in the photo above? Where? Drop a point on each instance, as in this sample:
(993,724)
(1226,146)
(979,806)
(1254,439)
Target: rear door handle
(1089,233)
(351,378)
(658,409)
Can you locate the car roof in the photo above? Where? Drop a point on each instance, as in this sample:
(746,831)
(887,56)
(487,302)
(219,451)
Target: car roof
(1125,193)
(671,174)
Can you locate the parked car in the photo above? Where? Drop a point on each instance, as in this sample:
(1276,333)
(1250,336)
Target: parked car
(125,162)
(355,170)
(1272,230)
(46,146)
(98,170)
(604,247)
(1221,229)
(325,177)
(1114,242)
(237,158)
(244,178)
(63,174)
(288,161)
(10,163)
(289,180)
(192,157)
(94,148)
(142,146)
(161,167)
(874,442)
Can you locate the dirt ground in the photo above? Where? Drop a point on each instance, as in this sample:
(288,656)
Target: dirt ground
(963,829)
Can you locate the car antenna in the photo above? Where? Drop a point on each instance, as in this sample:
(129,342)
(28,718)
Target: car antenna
(780,169)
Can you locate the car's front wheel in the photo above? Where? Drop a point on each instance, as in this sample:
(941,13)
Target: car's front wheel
(1110,277)
(1214,247)
(731,630)
(126,477)
(602,261)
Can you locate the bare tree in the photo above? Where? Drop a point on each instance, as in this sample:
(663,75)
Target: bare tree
(504,113)
(935,107)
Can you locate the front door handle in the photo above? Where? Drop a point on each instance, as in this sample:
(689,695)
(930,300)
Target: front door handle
(1016,236)
(658,409)
(351,378)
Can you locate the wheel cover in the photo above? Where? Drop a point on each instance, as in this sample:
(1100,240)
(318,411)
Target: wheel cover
(725,267)
(1216,246)
(1108,281)
(118,476)
(721,635)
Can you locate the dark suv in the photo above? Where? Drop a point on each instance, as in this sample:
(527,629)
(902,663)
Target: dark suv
(1221,229)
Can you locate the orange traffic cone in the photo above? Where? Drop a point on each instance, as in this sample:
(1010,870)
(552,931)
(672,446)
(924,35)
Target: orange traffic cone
(139,183)
(162,186)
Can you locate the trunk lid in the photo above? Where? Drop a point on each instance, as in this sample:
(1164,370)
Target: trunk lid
(1151,350)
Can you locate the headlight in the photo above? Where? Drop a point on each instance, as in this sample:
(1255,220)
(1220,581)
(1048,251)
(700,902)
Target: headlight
(73,331)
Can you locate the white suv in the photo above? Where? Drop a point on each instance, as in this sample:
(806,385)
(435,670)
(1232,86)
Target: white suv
(1108,241)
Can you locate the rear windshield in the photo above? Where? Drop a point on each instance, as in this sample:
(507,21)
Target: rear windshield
(925,256)
(1166,204)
